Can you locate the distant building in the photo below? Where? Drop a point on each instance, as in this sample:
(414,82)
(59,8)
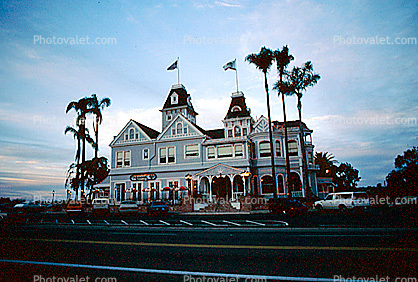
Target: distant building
(185,158)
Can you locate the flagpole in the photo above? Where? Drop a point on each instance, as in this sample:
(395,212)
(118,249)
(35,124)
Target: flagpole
(236,73)
(178,71)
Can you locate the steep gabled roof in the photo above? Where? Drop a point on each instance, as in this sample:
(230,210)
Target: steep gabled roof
(153,134)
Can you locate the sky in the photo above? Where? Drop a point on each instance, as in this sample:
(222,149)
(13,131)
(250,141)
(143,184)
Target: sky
(364,109)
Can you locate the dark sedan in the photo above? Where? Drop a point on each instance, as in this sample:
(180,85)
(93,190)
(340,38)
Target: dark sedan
(158,208)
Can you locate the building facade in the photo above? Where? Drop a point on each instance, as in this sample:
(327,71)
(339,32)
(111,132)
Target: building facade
(184,158)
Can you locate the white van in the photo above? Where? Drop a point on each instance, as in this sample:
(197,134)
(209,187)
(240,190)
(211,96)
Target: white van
(343,201)
(101,205)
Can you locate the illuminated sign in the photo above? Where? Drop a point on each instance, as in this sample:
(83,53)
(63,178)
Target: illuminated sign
(143,177)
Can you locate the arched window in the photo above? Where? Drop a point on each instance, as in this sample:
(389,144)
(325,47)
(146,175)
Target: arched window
(278,149)
(295,184)
(131,134)
(179,128)
(280,183)
(266,184)
(264,149)
(293,148)
(236,109)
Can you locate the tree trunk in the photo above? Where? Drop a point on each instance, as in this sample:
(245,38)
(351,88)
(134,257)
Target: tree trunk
(96,129)
(83,153)
(302,145)
(273,169)
(78,166)
(286,146)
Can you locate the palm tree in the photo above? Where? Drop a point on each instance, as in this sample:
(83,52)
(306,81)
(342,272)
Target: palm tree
(96,171)
(96,109)
(263,62)
(326,164)
(77,135)
(82,107)
(298,80)
(283,59)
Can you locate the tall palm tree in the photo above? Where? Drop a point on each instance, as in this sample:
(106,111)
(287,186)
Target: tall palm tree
(326,163)
(263,62)
(298,80)
(96,109)
(78,136)
(283,59)
(82,108)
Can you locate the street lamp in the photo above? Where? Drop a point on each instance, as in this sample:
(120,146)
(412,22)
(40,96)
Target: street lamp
(53,195)
(189,178)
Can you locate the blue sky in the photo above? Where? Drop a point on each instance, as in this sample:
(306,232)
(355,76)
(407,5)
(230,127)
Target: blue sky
(363,110)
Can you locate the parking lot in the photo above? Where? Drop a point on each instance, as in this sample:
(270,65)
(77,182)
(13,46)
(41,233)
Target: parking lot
(157,222)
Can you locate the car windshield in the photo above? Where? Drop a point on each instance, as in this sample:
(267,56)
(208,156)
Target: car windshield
(128,203)
(329,197)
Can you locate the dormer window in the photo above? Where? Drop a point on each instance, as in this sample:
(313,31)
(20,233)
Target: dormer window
(131,133)
(236,109)
(174,98)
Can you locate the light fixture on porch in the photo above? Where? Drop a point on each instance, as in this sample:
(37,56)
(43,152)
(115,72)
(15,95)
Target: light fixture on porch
(245,173)
(189,178)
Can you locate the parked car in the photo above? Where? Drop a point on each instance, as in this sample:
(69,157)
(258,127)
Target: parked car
(343,201)
(75,208)
(101,205)
(30,207)
(128,207)
(287,206)
(157,208)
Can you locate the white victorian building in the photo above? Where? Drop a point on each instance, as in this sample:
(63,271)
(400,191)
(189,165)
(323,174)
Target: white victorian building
(225,163)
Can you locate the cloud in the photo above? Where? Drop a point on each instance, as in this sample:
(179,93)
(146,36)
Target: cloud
(226,4)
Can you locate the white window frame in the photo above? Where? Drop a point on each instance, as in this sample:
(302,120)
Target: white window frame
(143,154)
(186,156)
(259,148)
(297,148)
(222,157)
(123,158)
(242,150)
(280,148)
(214,153)
(167,155)
(174,99)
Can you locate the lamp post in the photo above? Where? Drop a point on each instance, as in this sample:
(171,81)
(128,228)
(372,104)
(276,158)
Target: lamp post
(53,195)
(189,178)
(245,174)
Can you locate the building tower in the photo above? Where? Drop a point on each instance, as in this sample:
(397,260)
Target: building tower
(238,121)
(178,101)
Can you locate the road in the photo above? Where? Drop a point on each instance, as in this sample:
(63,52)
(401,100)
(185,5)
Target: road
(294,253)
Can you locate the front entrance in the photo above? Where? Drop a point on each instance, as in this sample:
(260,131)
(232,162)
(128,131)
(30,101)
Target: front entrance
(221,187)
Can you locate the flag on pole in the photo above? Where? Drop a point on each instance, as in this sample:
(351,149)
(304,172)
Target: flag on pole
(230,65)
(173,66)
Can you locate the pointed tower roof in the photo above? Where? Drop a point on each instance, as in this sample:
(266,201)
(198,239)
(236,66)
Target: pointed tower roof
(183,98)
(238,107)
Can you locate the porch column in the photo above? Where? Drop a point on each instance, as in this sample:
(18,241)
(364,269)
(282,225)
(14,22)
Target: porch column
(210,188)
(244,180)
(231,179)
